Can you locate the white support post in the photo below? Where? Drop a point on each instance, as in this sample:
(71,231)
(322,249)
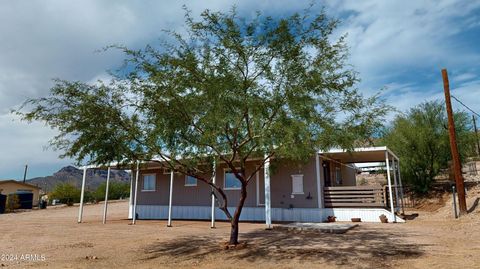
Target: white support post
(106,197)
(130,199)
(169,224)
(257,186)
(134,215)
(268,210)
(319,184)
(82,193)
(394,168)
(401,186)
(214,175)
(390,193)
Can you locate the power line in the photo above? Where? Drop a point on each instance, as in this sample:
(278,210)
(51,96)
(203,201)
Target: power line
(478,115)
(473,119)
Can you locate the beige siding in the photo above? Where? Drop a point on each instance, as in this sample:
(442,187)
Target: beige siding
(12,187)
(348,175)
(199,195)
(281,187)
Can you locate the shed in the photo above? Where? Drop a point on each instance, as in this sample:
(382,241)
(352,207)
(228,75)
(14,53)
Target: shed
(15,187)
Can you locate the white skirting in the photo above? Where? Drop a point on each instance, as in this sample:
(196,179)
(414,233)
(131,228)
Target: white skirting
(258,213)
(130,210)
(366,214)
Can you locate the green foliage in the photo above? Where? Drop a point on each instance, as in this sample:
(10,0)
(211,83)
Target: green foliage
(420,139)
(116,190)
(227,90)
(66,193)
(232,89)
(12,203)
(89,197)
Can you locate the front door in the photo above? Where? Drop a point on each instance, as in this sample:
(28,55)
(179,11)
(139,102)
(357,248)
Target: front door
(326,174)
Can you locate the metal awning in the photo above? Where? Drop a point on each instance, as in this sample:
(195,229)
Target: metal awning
(359,155)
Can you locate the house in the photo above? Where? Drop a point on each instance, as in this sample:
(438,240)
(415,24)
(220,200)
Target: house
(324,186)
(12,186)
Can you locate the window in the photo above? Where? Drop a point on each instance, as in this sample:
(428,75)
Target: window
(231,182)
(297,184)
(149,182)
(190,181)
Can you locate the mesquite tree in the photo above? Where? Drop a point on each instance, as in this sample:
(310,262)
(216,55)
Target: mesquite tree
(226,91)
(420,138)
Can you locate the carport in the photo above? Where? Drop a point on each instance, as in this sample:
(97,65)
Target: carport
(355,196)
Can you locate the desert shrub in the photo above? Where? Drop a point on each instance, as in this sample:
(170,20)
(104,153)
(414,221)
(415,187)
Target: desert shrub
(420,139)
(66,193)
(116,190)
(89,197)
(362,181)
(12,203)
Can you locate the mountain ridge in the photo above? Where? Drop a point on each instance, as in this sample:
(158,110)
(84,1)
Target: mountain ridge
(72,175)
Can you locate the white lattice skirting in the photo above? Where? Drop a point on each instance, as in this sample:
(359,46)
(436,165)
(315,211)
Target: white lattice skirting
(258,213)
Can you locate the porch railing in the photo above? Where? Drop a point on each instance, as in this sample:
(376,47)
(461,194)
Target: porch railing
(354,196)
(386,195)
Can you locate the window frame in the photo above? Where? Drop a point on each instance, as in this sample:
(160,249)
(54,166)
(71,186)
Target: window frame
(190,185)
(296,176)
(225,170)
(154,182)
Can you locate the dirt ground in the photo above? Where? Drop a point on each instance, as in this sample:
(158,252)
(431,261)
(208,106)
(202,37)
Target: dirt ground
(53,239)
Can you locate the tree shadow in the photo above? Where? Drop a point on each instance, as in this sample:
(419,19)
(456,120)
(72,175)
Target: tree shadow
(364,246)
(474,206)
(410,216)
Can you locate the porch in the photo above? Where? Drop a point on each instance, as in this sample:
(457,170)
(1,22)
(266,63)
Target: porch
(345,193)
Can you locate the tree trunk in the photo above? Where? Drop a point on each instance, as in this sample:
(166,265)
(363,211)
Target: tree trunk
(236,216)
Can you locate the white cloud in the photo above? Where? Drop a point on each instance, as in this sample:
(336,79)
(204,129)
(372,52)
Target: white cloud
(464,77)
(409,95)
(42,40)
(469,94)
(388,38)
(22,144)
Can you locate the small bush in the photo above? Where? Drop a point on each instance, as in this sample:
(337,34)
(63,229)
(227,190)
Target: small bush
(116,190)
(66,193)
(12,203)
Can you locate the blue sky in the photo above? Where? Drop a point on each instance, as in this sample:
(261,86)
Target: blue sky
(397,45)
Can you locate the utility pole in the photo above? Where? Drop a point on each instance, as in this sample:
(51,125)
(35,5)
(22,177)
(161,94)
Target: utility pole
(476,135)
(457,169)
(25,173)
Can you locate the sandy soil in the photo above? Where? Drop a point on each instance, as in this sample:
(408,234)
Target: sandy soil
(428,240)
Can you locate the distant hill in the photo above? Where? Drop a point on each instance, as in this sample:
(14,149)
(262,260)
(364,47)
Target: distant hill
(72,175)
